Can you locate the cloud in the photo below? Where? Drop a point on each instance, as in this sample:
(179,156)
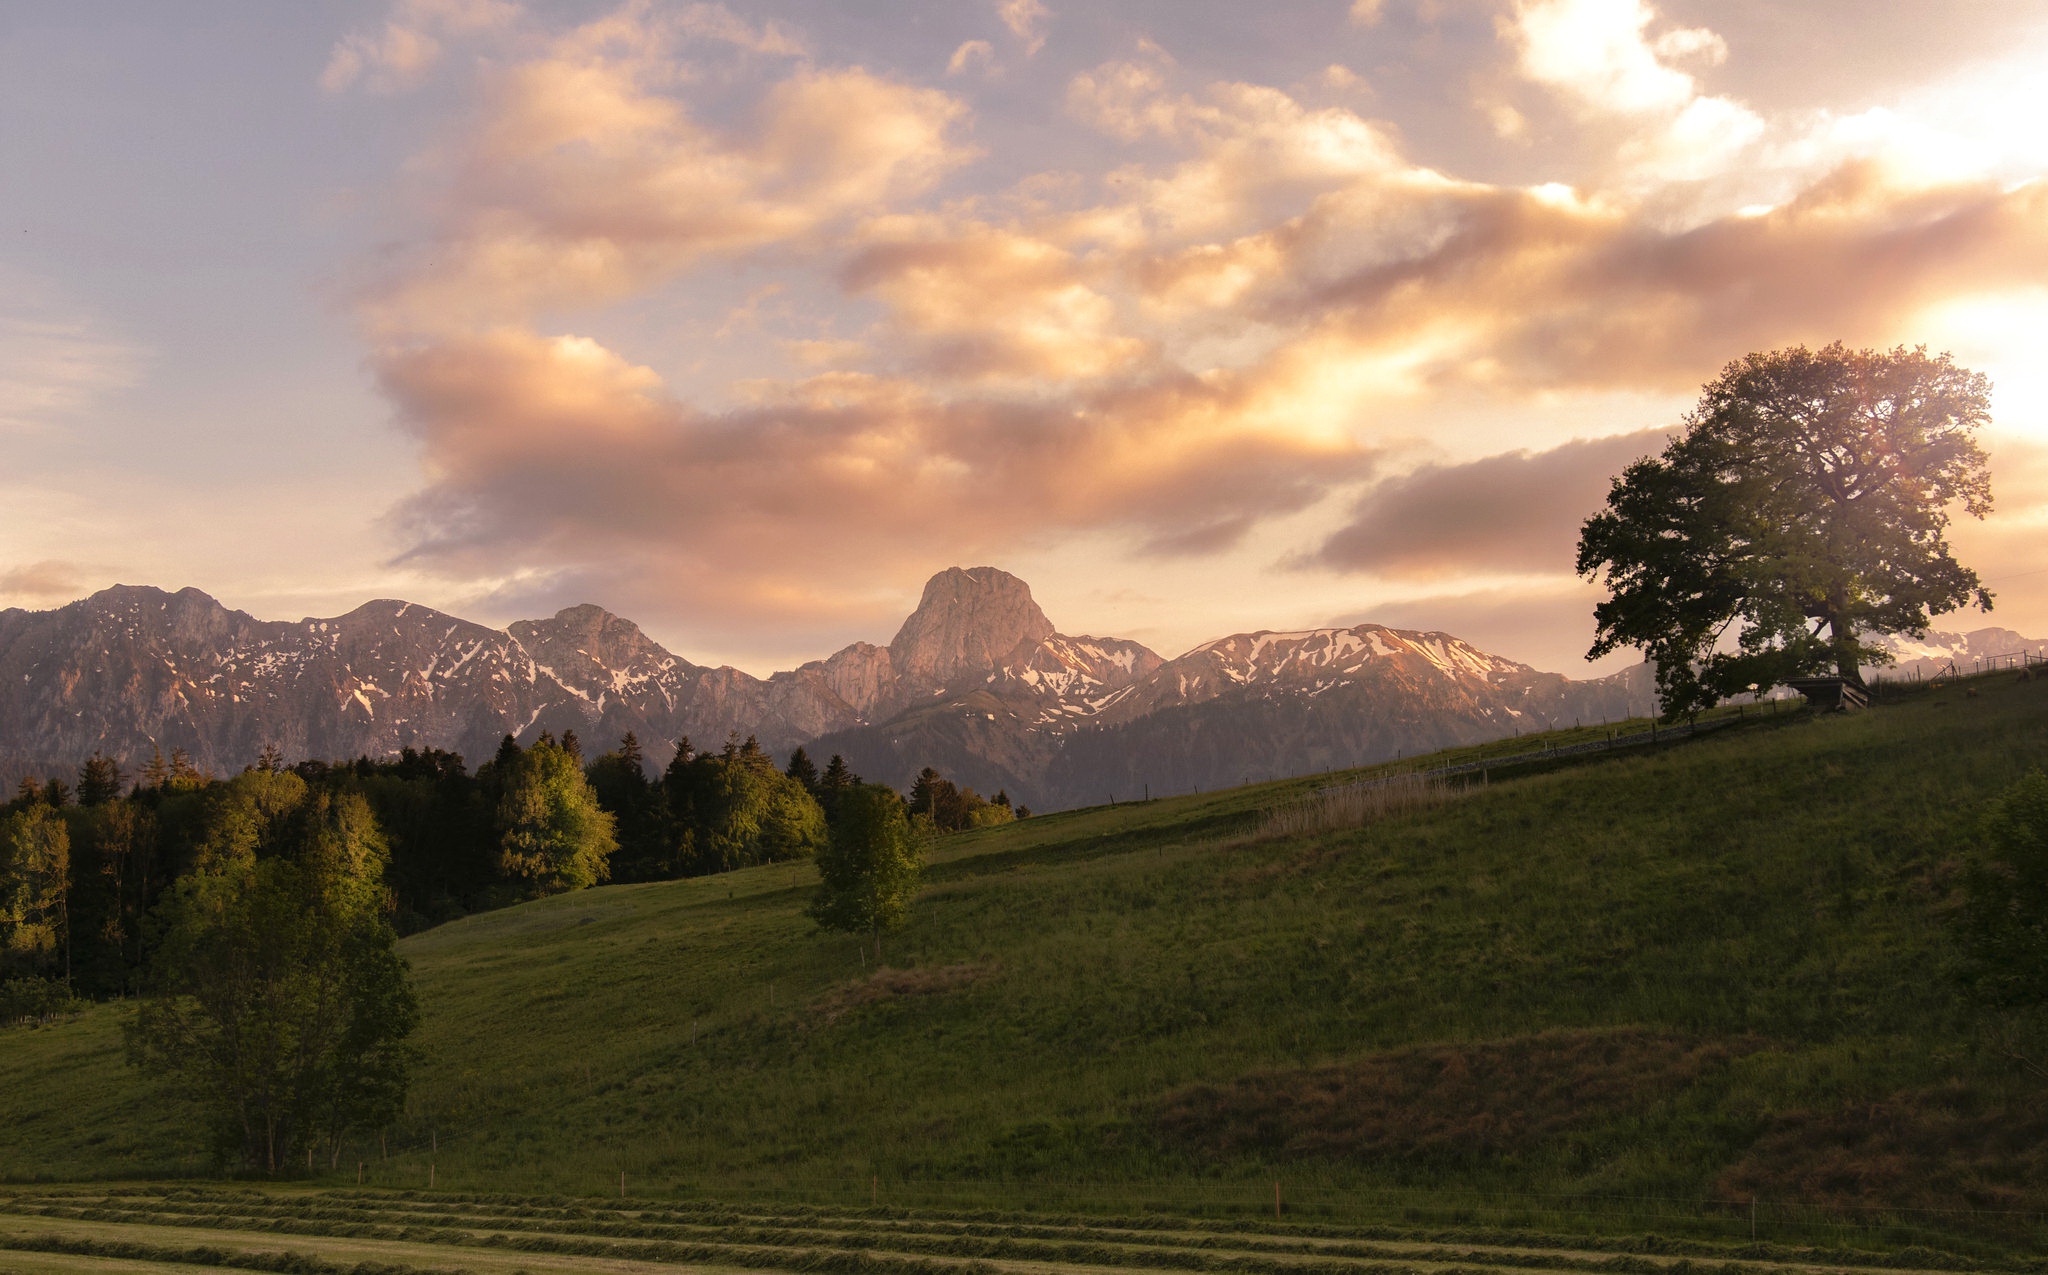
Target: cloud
(971,54)
(992,302)
(1026,20)
(408,46)
(559,451)
(1598,56)
(56,362)
(1366,13)
(586,180)
(1186,353)
(43,581)
(1516,512)
(1521,289)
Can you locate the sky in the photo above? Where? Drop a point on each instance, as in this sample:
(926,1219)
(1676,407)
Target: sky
(741,320)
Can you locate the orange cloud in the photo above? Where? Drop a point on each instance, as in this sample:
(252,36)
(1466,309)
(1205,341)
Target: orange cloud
(1223,332)
(558,451)
(588,180)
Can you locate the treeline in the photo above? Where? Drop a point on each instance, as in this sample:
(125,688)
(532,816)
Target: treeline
(83,865)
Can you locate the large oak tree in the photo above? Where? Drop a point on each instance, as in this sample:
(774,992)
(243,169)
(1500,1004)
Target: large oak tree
(1803,509)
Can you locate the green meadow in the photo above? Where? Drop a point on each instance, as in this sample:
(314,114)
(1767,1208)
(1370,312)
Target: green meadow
(1705,988)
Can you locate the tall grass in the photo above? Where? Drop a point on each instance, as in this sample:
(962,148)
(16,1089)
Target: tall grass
(1355,805)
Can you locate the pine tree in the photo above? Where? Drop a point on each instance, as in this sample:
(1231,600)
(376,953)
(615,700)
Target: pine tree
(99,780)
(630,754)
(272,760)
(802,769)
(184,774)
(924,792)
(838,777)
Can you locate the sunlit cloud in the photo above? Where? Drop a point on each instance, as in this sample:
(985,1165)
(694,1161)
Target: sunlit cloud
(1251,317)
(42,582)
(400,53)
(1026,20)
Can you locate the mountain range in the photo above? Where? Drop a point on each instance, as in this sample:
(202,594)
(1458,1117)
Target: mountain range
(977,683)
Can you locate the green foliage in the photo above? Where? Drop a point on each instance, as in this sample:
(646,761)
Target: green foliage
(552,834)
(35,999)
(1803,508)
(734,809)
(948,807)
(35,889)
(2005,916)
(277,1002)
(871,867)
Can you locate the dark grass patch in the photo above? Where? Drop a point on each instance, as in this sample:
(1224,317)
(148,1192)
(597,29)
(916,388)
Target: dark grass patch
(1932,1149)
(1456,1100)
(891,984)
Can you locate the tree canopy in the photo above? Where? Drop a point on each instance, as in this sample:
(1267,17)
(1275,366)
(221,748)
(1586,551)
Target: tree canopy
(277,1002)
(1803,508)
(870,867)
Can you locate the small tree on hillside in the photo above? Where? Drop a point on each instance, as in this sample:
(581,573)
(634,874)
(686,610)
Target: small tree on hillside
(870,868)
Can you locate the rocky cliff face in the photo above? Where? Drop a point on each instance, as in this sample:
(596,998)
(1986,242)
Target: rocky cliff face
(971,621)
(977,682)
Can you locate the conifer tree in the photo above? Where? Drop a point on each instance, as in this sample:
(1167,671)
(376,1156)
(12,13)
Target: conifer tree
(99,780)
(802,769)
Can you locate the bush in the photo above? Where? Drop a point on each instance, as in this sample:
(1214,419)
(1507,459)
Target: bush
(30,1001)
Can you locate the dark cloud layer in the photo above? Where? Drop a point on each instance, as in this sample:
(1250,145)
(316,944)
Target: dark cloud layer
(1519,512)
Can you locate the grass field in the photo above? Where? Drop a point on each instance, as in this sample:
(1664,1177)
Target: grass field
(1690,990)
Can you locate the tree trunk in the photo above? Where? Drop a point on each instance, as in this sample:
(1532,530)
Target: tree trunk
(1843,638)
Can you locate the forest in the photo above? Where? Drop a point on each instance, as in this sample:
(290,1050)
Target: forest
(84,864)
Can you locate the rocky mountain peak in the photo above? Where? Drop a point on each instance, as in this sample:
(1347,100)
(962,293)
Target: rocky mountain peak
(594,634)
(969,621)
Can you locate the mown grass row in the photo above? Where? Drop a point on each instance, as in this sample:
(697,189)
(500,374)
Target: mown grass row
(209,1255)
(1017,1240)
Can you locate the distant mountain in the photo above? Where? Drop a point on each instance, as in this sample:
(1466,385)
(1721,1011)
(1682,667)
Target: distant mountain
(977,682)
(1971,652)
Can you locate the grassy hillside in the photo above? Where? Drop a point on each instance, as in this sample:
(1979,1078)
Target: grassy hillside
(1717,970)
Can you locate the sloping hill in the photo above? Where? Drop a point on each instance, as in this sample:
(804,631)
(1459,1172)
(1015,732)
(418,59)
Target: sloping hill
(1718,970)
